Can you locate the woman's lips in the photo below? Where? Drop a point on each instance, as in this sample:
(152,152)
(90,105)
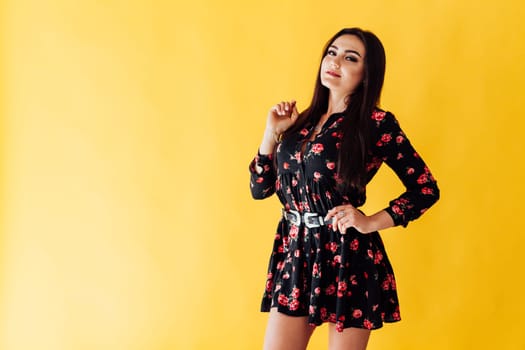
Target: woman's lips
(332,73)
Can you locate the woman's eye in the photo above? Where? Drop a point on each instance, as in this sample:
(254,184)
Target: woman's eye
(351,58)
(331,53)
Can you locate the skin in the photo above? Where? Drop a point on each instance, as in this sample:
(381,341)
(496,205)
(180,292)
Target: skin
(342,70)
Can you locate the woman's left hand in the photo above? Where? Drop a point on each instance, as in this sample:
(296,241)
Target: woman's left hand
(346,216)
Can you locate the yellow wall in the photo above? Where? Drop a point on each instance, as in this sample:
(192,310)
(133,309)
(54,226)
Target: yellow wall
(126,132)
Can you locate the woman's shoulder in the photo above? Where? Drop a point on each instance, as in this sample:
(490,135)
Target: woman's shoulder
(383,119)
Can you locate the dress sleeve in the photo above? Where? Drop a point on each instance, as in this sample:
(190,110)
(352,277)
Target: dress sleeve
(397,152)
(263,176)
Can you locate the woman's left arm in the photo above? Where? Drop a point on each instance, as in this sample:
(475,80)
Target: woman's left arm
(397,152)
(393,147)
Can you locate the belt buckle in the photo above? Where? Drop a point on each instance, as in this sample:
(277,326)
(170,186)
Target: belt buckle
(293,216)
(308,216)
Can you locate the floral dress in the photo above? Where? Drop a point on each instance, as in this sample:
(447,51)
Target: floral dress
(320,273)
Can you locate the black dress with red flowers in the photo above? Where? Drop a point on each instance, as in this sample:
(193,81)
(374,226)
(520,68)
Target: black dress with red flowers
(320,273)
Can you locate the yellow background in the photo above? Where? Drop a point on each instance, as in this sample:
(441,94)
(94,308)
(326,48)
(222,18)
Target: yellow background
(126,132)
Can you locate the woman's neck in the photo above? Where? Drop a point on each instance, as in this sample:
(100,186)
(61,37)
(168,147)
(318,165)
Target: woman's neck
(336,103)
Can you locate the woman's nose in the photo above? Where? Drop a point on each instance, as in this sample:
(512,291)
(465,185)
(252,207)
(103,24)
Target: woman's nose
(334,63)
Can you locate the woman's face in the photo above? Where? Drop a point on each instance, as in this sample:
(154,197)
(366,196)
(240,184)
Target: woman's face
(342,69)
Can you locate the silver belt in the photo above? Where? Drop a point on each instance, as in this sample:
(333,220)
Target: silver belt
(309,220)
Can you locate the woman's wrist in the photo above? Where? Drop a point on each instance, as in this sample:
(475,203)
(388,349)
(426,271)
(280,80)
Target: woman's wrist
(379,221)
(270,139)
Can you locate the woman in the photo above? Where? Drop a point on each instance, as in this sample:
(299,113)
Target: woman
(328,262)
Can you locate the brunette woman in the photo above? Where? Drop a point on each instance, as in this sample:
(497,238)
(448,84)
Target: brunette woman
(328,262)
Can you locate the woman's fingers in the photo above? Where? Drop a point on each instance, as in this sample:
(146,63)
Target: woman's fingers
(285,108)
(343,217)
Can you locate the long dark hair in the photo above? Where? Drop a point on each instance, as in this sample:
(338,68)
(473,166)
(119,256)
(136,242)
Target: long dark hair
(362,102)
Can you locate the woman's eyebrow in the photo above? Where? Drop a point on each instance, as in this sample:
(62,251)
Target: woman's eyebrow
(350,51)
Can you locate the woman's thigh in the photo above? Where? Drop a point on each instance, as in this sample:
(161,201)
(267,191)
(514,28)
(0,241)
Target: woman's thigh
(287,332)
(348,339)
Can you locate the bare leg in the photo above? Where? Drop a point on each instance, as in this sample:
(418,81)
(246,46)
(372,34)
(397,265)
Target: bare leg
(349,339)
(287,332)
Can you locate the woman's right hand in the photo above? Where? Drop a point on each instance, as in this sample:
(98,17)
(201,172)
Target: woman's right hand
(281,117)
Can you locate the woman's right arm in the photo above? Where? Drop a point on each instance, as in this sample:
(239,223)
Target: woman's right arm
(262,169)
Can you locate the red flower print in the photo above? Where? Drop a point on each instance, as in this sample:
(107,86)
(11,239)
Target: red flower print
(328,195)
(295,293)
(341,288)
(294,230)
(410,171)
(354,245)
(400,139)
(333,247)
(396,316)
(386,138)
(365,274)
(357,313)
(399,156)
(297,156)
(339,120)
(330,165)
(426,190)
(311,310)
(422,179)
(260,180)
(283,300)
(317,176)
(315,269)
(368,324)
(385,285)
(332,317)
(353,280)
(378,115)
(304,132)
(370,254)
(378,257)
(337,259)
(317,148)
(339,326)
(324,313)
(317,291)
(337,134)
(286,276)
(280,265)
(396,209)
(416,155)
(338,145)
(286,165)
(294,305)
(294,182)
(297,253)
(269,285)
(330,290)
